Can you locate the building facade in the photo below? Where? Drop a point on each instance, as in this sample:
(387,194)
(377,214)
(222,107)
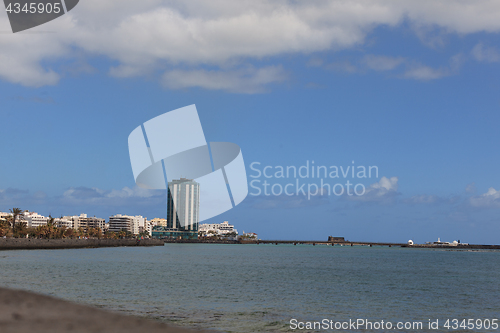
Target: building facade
(183,206)
(63,222)
(250,235)
(133,224)
(91,222)
(183,211)
(33,219)
(82,221)
(158,222)
(5,215)
(220,229)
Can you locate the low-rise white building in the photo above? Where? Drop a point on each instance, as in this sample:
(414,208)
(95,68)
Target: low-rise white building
(85,222)
(121,222)
(63,222)
(33,219)
(158,222)
(220,229)
(148,227)
(250,235)
(5,215)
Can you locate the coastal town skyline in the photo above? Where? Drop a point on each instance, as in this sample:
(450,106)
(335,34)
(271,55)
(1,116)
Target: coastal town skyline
(249,166)
(410,91)
(134,225)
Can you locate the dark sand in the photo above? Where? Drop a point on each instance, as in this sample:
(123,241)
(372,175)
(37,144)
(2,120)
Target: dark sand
(26,312)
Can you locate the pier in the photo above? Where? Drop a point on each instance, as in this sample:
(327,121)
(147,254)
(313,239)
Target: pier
(372,244)
(337,242)
(334,243)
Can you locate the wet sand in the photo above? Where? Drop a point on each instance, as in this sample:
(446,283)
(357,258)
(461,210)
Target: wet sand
(26,312)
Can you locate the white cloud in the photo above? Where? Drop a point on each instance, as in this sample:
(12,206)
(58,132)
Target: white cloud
(382,63)
(385,185)
(150,35)
(383,191)
(404,67)
(470,188)
(103,197)
(20,59)
(242,81)
(342,66)
(423,199)
(338,66)
(485,54)
(424,73)
(490,199)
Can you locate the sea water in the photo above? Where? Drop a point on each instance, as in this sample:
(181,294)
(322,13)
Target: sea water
(250,288)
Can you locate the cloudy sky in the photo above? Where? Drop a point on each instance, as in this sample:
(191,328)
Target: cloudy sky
(411,87)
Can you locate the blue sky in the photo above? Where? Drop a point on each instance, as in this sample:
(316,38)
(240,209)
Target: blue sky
(412,88)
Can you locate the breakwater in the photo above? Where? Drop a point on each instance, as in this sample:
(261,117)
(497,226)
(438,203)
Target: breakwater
(456,247)
(332,243)
(204,241)
(335,243)
(41,244)
(371,244)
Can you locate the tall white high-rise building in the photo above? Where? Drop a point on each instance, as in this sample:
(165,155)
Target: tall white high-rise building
(183,208)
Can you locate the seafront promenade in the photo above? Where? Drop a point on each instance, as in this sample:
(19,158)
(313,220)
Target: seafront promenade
(46,244)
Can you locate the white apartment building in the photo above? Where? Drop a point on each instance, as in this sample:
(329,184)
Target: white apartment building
(159,222)
(33,219)
(121,222)
(148,227)
(63,222)
(5,215)
(220,229)
(73,221)
(85,222)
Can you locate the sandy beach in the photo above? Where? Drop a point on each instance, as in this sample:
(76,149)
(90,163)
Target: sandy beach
(26,312)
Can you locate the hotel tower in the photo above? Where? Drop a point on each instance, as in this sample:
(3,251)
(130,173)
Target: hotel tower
(183,207)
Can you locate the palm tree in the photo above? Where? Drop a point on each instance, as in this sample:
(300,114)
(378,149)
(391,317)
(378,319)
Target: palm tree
(51,220)
(4,227)
(15,212)
(70,233)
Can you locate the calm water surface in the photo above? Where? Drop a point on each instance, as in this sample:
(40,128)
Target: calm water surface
(250,288)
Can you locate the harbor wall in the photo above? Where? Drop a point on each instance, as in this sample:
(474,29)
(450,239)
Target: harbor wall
(38,244)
